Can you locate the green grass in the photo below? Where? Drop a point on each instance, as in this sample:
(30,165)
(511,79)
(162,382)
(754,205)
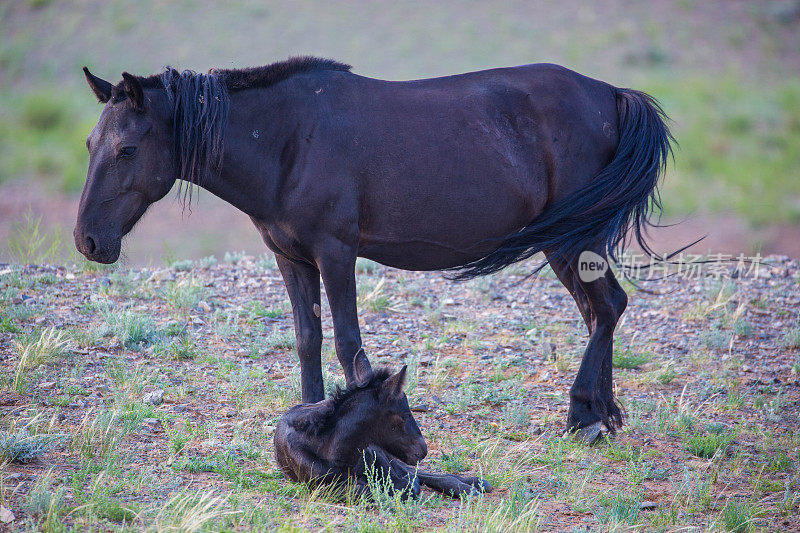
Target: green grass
(739,517)
(626,358)
(134,330)
(707,445)
(739,147)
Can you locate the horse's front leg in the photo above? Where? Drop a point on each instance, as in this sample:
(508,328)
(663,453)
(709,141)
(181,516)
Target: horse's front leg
(403,477)
(338,268)
(302,284)
(452,485)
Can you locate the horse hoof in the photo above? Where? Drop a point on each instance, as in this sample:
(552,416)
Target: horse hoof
(590,434)
(485,486)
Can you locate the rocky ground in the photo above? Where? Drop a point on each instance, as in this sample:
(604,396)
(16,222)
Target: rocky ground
(146,399)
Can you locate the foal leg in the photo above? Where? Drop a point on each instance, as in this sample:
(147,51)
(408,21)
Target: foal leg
(338,268)
(453,485)
(403,477)
(302,284)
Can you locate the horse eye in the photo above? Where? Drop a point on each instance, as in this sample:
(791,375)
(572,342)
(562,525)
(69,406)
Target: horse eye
(127,151)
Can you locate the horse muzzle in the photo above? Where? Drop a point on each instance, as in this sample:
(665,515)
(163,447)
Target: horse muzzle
(95,248)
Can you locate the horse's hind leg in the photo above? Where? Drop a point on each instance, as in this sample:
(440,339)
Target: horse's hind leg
(601,303)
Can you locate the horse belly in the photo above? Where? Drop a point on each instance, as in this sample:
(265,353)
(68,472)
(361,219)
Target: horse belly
(423,228)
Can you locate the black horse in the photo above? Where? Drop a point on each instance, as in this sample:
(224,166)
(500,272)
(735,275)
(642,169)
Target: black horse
(367,425)
(469,173)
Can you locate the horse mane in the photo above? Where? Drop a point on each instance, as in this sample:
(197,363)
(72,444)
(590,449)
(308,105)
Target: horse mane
(321,422)
(200,105)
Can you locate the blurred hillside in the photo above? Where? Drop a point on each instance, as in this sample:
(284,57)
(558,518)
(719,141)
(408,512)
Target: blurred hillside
(726,72)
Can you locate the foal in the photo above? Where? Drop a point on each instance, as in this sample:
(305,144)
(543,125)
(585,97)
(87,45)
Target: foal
(367,424)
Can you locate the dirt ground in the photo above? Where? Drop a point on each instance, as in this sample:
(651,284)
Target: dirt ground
(707,370)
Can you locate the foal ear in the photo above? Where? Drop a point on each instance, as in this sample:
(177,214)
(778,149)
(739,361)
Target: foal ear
(133,90)
(100,87)
(395,385)
(361,367)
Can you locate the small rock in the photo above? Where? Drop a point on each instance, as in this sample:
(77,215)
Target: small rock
(47,385)
(180,408)
(6,516)
(544,376)
(204,306)
(421,408)
(155,397)
(151,421)
(645,505)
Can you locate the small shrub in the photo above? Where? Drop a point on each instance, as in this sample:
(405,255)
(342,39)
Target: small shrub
(133,330)
(183,265)
(207,262)
(516,414)
(234,258)
(742,327)
(707,446)
(182,350)
(455,462)
(183,294)
(791,338)
(667,375)
(49,346)
(29,244)
(266,262)
(45,503)
(97,436)
(373,297)
(619,509)
(366,266)
(22,447)
(627,359)
(739,517)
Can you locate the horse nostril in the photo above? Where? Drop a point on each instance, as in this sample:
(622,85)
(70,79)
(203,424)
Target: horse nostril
(90,245)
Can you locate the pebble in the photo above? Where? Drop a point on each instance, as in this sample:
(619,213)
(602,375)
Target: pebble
(646,505)
(421,408)
(155,397)
(6,516)
(47,385)
(544,376)
(204,306)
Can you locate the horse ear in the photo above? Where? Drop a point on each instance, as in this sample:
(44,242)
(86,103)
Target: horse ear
(100,87)
(361,367)
(395,385)
(133,90)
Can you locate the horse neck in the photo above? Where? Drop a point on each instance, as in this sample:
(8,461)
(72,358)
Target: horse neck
(253,143)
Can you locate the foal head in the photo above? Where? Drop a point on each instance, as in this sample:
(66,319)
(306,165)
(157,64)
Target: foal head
(378,406)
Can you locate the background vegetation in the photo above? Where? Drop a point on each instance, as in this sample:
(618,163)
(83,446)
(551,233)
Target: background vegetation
(726,72)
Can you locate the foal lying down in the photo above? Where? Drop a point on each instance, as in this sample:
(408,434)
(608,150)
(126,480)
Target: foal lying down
(333,442)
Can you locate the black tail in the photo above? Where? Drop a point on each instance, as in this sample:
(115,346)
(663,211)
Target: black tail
(621,198)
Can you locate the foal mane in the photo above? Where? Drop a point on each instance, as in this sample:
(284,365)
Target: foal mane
(200,106)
